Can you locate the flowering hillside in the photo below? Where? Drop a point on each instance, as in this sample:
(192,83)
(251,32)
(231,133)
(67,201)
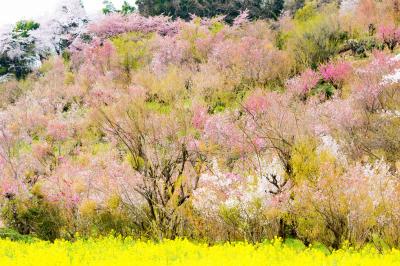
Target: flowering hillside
(157,128)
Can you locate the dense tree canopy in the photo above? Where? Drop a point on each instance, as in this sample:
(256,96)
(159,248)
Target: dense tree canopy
(206,8)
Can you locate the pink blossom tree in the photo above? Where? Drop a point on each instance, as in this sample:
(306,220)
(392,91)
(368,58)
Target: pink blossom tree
(166,171)
(389,35)
(304,83)
(336,73)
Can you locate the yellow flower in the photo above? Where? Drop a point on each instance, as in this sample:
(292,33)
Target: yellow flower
(121,252)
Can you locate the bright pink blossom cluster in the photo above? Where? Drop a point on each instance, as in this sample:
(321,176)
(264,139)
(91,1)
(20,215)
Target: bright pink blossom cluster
(242,18)
(336,72)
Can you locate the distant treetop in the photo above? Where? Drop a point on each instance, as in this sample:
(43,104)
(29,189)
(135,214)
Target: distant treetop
(24,26)
(210,8)
(110,8)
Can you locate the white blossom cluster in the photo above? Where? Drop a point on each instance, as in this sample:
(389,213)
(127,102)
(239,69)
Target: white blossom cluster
(8,45)
(396,58)
(62,28)
(218,189)
(390,113)
(392,78)
(18,49)
(395,77)
(329,144)
(53,35)
(380,180)
(348,6)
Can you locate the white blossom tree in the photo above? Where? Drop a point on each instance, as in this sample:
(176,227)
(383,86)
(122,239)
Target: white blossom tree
(22,53)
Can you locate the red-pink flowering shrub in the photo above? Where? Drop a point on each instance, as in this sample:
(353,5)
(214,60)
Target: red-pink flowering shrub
(9,188)
(336,72)
(10,167)
(91,179)
(277,125)
(254,60)
(221,129)
(368,110)
(157,148)
(94,58)
(41,150)
(110,25)
(338,114)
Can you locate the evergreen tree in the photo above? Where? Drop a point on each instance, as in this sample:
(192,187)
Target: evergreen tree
(277,8)
(108,7)
(211,8)
(127,8)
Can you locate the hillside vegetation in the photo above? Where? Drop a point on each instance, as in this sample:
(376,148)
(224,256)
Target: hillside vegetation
(157,128)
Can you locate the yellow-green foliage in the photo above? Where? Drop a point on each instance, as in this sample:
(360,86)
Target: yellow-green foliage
(114,251)
(46,66)
(306,13)
(216,27)
(316,36)
(69,78)
(306,160)
(168,88)
(135,162)
(133,50)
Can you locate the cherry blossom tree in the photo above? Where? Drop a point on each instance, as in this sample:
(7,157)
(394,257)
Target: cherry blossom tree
(304,83)
(166,171)
(336,73)
(62,28)
(22,53)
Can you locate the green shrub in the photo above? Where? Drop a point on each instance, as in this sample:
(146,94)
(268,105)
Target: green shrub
(35,216)
(8,233)
(316,37)
(360,47)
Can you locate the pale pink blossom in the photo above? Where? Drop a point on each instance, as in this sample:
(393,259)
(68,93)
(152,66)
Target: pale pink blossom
(199,117)
(303,83)
(256,103)
(58,130)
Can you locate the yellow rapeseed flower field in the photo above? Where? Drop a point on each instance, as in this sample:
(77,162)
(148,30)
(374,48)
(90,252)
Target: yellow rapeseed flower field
(115,251)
